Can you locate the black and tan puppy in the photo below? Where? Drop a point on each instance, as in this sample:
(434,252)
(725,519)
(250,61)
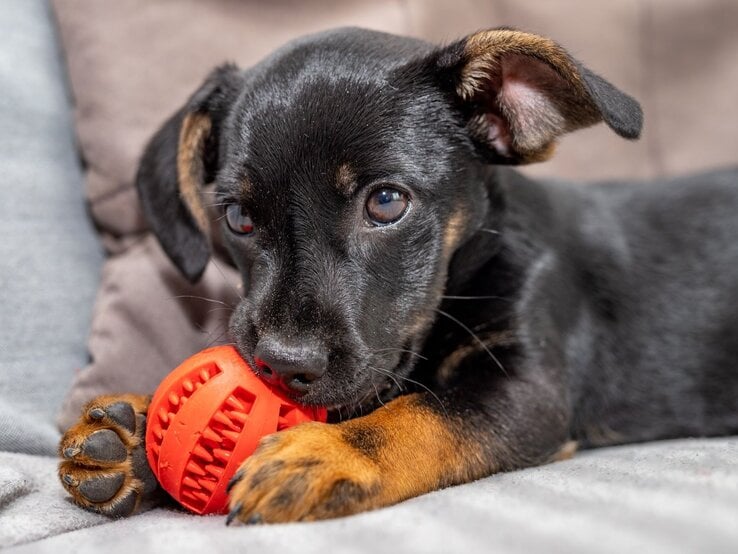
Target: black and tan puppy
(385,249)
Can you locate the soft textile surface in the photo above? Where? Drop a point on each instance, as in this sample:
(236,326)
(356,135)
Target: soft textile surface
(679,496)
(133,62)
(49,256)
(32,503)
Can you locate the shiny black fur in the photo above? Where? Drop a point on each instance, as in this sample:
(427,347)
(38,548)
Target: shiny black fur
(605,313)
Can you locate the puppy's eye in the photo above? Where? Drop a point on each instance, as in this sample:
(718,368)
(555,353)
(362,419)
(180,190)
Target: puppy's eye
(238,220)
(386,205)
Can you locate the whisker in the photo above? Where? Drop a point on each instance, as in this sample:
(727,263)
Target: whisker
(212,341)
(216,204)
(490,297)
(222,274)
(476,338)
(203,298)
(414,382)
(233,344)
(357,407)
(401,350)
(491,231)
(388,374)
(376,392)
(221,309)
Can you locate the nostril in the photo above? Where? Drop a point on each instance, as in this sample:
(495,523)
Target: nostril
(264,368)
(304,378)
(298,383)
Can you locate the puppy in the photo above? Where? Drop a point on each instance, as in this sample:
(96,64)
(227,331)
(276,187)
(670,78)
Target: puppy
(394,267)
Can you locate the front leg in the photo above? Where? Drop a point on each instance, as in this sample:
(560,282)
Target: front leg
(411,446)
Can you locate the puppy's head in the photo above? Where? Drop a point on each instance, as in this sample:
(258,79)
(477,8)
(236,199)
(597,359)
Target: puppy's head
(348,168)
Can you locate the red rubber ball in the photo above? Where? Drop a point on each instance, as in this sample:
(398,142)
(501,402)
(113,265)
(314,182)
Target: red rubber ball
(206,418)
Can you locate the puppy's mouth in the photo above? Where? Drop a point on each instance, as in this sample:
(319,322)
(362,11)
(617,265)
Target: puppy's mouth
(379,386)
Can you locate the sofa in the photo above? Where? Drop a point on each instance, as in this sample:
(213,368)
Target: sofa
(68,217)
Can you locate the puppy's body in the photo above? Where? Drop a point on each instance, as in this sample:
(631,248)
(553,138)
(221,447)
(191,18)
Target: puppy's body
(384,249)
(627,288)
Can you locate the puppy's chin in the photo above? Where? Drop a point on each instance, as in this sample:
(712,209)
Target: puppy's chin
(375,389)
(380,386)
(344,402)
(363,403)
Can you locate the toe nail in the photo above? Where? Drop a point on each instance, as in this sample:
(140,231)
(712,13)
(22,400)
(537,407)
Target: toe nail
(69,480)
(254,520)
(97,413)
(235,479)
(234,513)
(71,452)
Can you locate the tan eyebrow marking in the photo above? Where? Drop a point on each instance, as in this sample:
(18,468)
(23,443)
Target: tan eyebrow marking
(246,186)
(345,178)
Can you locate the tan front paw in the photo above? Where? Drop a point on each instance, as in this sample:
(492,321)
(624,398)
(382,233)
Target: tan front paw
(306,473)
(104,466)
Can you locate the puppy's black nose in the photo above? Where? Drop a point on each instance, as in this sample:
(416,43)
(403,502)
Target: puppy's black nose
(292,366)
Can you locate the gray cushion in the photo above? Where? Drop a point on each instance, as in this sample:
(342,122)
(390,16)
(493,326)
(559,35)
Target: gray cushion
(50,257)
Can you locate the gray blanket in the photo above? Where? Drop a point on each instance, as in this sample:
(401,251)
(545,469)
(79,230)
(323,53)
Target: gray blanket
(674,496)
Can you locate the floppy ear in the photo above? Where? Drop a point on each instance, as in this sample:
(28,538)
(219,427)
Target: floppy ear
(178,161)
(521,91)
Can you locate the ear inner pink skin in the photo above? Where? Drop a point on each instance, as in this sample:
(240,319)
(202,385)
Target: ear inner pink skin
(528,95)
(498,134)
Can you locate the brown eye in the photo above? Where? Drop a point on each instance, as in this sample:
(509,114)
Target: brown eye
(238,220)
(386,205)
